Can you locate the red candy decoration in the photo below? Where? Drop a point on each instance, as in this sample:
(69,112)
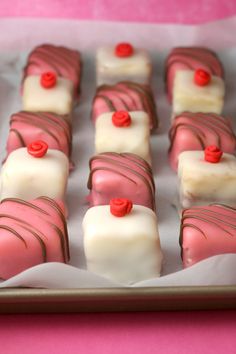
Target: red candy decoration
(48,80)
(37,148)
(121,119)
(124,50)
(120,206)
(202,77)
(213,154)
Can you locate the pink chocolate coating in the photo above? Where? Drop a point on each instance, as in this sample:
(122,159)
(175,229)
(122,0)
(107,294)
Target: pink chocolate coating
(31,233)
(52,128)
(207,231)
(125,175)
(63,61)
(125,96)
(196,131)
(190,58)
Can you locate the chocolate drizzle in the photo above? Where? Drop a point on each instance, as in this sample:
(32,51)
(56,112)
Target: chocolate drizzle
(26,225)
(126,88)
(199,124)
(63,61)
(50,124)
(125,162)
(218,215)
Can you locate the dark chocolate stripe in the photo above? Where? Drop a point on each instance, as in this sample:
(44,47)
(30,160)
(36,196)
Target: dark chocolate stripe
(4,227)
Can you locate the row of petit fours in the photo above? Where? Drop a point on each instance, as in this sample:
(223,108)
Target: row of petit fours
(35,172)
(121,239)
(202,150)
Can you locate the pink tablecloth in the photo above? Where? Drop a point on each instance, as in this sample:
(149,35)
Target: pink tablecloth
(200,332)
(180,11)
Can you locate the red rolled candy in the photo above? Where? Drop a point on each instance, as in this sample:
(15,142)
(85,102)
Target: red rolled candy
(202,77)
(37,148)
(124,50)
(120,206)
(121,119)
(48,79)
(213,154)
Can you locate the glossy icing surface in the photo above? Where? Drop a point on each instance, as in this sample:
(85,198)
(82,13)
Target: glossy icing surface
(26,127)
(31,233)
(124,249)
(127,96)
(133,139)
(26,177)
(120,175)
(207,231)
(203,182)
(195,131)
(191,58)
(63,61)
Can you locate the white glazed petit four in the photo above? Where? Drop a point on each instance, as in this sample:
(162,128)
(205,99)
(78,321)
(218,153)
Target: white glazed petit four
(123,62)
(123,131)
(48,93)
(121,241)
(207,177)
(198,91)
(35,171)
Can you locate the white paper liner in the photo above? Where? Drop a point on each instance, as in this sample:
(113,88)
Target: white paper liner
(86,36)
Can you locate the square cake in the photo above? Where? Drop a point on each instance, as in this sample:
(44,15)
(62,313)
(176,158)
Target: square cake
(195,131)
(120,175)
(207,177)
(207,231)
(197,91)
(123,131)
(35,171)
(31,233)
(122,62)
(125,246)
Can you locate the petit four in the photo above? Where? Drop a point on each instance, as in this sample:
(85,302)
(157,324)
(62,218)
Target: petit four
(47,93)
(36,170)
(64,62)
(125,96)
(195,131)
(124,175)
(31,233)
(123,131)
(207,231)
(191,58)
(197,91)
(122,62)
(26,127)
(206,177)
(125,246)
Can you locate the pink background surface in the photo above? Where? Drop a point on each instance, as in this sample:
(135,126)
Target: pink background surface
(180,11)
(184,332)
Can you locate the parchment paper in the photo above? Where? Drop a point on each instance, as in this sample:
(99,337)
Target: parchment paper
(17,38)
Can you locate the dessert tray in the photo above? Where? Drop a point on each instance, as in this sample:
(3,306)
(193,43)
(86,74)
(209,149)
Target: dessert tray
(55,287)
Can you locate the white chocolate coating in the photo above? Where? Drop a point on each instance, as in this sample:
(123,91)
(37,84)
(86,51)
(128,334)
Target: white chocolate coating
(58,99)
(26,177)
(187,96)
(125,249)
(202,182)
(111,69)
(133,139)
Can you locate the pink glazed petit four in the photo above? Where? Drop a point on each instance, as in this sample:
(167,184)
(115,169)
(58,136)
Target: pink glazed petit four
(126,95)
(26,127)
(207,231)
(62,61)
(31,233)
(120,175)
(195,131)
(191,58)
